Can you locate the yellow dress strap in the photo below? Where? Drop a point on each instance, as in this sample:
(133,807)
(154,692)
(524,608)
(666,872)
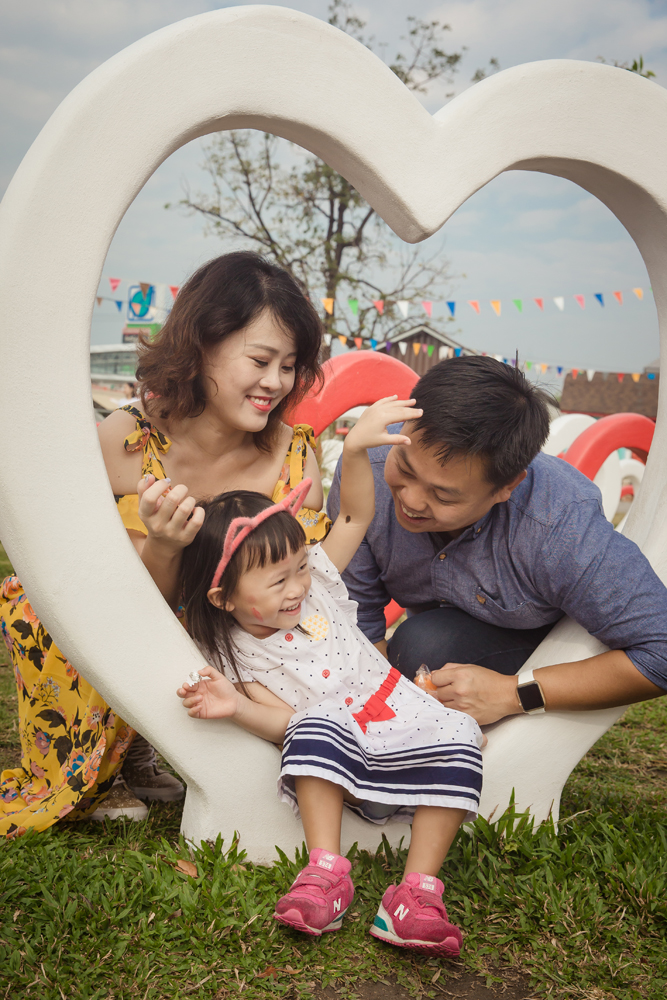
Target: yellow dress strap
(315,523)
(151,442)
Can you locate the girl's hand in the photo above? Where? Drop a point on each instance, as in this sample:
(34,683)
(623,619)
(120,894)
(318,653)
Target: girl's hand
(172,518)
(370,430)
(215,698)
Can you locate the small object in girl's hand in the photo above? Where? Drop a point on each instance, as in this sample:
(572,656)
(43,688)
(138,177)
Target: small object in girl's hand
(195,677)
(424,682)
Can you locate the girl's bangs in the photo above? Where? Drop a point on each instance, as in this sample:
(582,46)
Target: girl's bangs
(276,538)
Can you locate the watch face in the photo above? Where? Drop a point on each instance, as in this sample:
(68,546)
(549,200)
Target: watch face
(530,696)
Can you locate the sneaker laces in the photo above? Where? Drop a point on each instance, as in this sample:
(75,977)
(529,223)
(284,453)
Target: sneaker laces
(313,876)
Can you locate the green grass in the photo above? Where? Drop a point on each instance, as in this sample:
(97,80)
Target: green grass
(99,912)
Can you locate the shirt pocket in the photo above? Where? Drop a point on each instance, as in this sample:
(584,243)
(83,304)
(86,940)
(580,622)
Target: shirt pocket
(521,616)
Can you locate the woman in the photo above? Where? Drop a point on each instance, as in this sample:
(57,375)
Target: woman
(238,351)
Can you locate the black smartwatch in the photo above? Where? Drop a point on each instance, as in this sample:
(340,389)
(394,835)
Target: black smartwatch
(530,693)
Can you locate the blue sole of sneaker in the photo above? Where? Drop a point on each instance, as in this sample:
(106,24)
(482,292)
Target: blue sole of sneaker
(383,930)
(293,919)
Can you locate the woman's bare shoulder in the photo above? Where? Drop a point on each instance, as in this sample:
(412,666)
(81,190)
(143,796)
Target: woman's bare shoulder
(123,468)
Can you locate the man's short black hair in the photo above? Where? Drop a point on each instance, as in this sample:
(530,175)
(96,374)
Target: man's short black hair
(480,406)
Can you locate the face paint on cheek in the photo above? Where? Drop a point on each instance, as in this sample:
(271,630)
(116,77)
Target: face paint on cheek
(257,614)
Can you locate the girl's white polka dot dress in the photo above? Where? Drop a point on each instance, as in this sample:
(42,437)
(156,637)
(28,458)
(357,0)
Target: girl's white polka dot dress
(358,722)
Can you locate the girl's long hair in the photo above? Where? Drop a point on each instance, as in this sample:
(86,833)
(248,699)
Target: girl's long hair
(274,539)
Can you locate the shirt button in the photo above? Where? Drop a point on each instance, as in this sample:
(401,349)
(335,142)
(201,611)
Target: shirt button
(289,637)
(481,599)
(443,555)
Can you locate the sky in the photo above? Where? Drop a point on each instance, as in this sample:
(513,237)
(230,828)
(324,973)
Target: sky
(523,236)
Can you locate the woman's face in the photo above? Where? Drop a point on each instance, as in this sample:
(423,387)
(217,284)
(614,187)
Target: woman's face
(250,372)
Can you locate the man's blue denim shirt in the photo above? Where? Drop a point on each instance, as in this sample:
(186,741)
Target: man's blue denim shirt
(545,552)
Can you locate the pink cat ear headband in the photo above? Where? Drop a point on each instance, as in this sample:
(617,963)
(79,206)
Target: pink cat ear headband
(241,527)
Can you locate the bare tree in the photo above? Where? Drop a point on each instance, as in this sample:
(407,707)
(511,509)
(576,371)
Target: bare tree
(291,206)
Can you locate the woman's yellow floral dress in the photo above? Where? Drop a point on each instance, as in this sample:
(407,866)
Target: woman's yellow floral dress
(72,742)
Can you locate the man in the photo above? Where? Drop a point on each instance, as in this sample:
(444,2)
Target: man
(488,542)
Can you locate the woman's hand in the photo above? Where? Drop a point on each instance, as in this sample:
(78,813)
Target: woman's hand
(213,698)
(370,430)
(172,518)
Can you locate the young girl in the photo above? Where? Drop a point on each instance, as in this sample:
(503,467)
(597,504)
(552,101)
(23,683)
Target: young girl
(295,669)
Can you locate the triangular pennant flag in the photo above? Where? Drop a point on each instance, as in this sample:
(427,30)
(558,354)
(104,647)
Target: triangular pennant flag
(474,304)
(328,305)
(559,369)
(544,368)
(403,347)
(425,348)
(498,357)
(342,339)
(99,300)
(174,290)
(619,297)
(450,352)
(145,287)
(650,375)
(496,305)
(620,376)
(415,348)
(639,292)
(457,352)
(358,341)
(379,305)
(403,307)
(581,300)
(519,304)
(529,365)
(114,282)
(635,376)
(428,308)
(600,297)
(539,303)
(559,302)
(388,346)
(443,352)
(575,372)
(374,344)
(119,306)
(354,305)
(327,339)
(431,348)
(590,374)
(452,307)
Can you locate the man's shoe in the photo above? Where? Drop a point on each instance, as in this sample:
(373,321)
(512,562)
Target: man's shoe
(413,915)
(319,896)
(119,801)
(144,778)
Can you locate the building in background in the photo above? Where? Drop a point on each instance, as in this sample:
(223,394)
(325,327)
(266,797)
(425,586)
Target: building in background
(422,347)
(607,393)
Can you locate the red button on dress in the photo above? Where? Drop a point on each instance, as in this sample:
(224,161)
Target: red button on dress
(325,673)
(348,701)
(289,637)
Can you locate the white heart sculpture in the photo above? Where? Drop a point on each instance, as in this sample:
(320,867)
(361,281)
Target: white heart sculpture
(283,72)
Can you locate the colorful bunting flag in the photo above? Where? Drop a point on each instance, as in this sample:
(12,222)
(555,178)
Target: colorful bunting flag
(457,352)
(328,305)
(99,300)
(387,346)
(424,348)
(635,376)
(431,348)
(544,368)
(619,297)
(559,302)
(650,375)
(114,282)
(620,376)
(358,341)
(403,347)
(415,348)
(639,292)
(575,372)
(581,300)
(450,352)
(519,304)
(374,344)
(529,365)
(428,308)
(342,339)
(354,305)
(495,305)
(403,308)
(600,297)
(540,304)
(452,307)
(590,374)
(379,305)
(474,304)
(443,352)
(327,339)
(174,290)
(119,306)
(559,369)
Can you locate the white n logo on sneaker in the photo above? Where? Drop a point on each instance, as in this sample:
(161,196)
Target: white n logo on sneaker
(401,911)
(336,906)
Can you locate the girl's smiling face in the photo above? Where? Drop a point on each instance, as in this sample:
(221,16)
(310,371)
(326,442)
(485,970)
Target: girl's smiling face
(250,372)
(270,597)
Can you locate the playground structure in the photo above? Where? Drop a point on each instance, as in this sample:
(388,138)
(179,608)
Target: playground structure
(56,222)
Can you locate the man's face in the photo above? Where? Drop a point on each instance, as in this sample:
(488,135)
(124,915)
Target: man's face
(429,496)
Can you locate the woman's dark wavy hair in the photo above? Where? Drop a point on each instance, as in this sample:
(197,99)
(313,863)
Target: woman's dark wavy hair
(275,538)
(220,298)
(479,406)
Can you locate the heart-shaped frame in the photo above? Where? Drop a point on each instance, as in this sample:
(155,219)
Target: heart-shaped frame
(283,72)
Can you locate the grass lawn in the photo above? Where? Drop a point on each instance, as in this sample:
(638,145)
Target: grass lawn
(128,910)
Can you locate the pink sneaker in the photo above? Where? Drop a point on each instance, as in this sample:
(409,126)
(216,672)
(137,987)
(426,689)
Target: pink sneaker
(319,896)
(413,915)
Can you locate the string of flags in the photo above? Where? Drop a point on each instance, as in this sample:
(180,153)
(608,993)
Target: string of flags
(540,302)
(147,291)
